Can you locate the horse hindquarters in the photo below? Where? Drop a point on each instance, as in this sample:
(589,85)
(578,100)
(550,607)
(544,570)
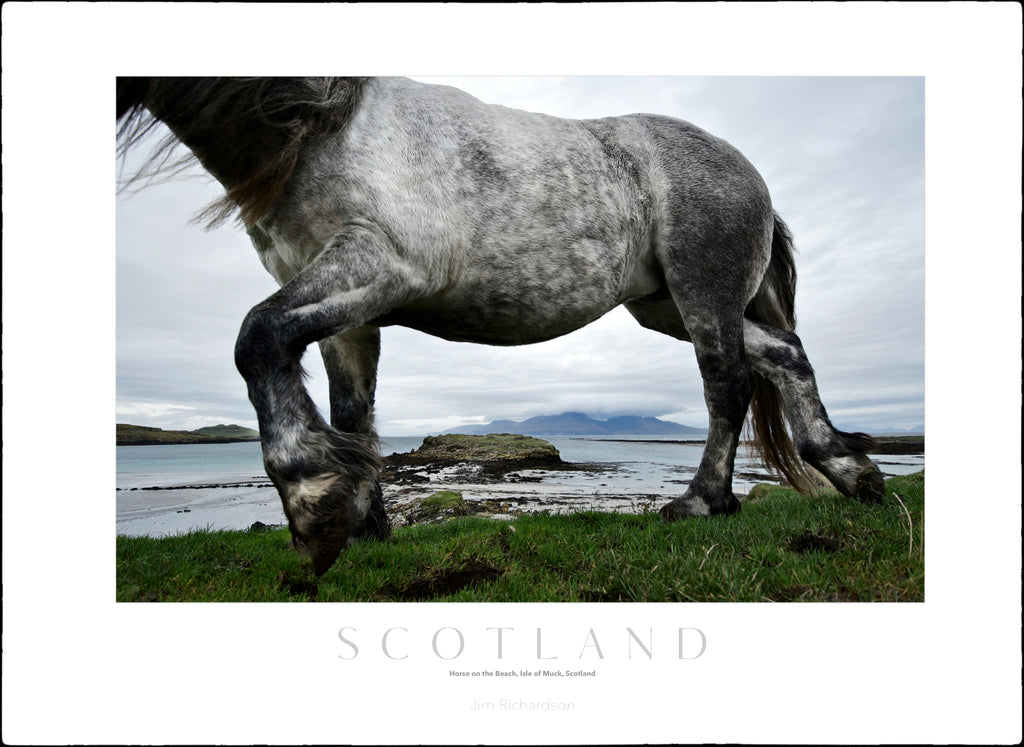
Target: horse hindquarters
(726,256)
(712,243)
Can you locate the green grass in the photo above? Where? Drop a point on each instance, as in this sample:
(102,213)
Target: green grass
(780,547)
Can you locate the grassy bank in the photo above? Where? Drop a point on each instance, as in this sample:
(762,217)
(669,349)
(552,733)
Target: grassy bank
(781,547)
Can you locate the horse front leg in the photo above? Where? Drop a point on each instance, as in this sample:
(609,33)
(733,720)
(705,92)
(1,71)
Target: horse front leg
(328,479)
(350,360)
(728,386)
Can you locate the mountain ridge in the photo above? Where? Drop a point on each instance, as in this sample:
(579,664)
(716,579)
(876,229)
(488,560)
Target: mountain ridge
(579,424)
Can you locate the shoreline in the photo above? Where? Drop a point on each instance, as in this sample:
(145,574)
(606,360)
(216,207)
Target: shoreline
(186,442)
(885,445)
(234,505)
(523,479)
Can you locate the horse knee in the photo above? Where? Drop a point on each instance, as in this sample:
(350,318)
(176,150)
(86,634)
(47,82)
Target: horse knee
(259,347)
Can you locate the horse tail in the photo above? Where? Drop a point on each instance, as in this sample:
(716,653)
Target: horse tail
(774,304)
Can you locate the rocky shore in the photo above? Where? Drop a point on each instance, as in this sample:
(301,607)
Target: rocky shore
(459,475)
(495,476)
(899,444)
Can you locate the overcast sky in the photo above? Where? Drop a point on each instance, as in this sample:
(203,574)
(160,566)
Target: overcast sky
(843,158)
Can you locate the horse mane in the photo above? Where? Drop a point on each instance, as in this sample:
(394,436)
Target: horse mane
(248,132)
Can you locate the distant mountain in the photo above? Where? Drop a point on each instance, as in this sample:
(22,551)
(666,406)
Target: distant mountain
(144,435)
(878,431)
(578,424)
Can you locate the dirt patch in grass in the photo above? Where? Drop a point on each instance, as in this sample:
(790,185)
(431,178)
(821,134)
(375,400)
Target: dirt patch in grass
(437,581)
(809,541)
(297,583)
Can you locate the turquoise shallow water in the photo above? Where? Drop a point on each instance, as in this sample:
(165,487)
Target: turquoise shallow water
(181,464)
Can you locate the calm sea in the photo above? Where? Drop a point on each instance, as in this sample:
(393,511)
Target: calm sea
(190,464)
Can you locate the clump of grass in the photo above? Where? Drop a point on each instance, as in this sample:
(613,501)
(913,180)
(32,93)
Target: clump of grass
(443,499)
(780,547)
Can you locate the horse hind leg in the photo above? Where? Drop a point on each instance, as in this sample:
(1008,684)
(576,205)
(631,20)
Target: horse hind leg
(779,357)
(728,385)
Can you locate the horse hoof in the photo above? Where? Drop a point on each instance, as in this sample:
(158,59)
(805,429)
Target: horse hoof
(323,555)
(687,506)
(870,486)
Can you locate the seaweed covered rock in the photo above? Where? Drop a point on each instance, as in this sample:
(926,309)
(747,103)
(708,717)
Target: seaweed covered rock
(497,448)
(437,507)
(474,459)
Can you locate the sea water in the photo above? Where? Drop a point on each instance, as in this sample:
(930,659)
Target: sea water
(168,489)
(183,464)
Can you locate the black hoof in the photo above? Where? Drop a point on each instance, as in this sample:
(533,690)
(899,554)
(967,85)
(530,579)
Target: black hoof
(870,486)
(688,506)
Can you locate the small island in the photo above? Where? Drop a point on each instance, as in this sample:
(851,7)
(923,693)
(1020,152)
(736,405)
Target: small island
(143,435)
(508,449)
(496,457)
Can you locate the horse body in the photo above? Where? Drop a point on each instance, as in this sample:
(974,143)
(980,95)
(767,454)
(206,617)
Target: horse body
(465,195)
(403,203)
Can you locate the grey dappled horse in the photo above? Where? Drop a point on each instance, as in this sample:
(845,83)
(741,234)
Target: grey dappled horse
(385,201)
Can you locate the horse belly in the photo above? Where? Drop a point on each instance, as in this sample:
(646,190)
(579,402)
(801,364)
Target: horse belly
(531,273)
(523,297)
(467,320)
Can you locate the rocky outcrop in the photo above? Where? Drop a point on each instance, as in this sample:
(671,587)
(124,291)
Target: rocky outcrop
(491,458)
(507,449)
